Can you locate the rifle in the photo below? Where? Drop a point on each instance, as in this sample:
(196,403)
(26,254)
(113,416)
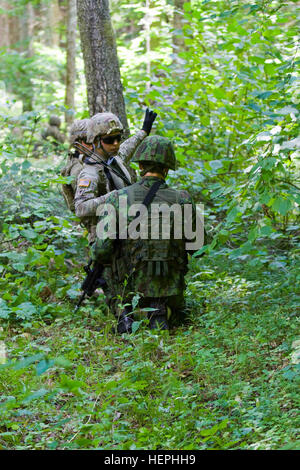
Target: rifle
(92,281)
(98,159)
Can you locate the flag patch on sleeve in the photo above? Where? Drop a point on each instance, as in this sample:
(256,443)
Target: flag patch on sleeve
(84,183)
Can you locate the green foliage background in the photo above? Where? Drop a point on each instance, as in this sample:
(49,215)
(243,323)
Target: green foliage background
(227,379)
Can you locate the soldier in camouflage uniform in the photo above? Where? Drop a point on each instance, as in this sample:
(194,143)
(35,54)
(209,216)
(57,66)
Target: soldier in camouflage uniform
(73,167)
(154,268)
(95,181)
(52,130)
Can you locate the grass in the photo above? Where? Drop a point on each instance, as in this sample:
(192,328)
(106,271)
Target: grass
(227,379)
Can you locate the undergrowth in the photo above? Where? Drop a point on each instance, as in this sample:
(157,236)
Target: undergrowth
(226,379)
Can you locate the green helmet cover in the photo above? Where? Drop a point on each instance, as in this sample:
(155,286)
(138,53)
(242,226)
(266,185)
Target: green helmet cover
(156,149)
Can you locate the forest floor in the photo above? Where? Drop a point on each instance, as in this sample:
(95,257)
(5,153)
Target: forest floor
(228,378)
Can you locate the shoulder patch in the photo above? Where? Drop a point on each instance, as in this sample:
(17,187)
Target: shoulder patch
(84,183)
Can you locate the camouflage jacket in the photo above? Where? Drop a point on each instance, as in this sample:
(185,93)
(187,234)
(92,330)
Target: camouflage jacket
(152,267)
(93,184)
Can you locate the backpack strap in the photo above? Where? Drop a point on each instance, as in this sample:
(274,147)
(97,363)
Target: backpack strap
(150,195)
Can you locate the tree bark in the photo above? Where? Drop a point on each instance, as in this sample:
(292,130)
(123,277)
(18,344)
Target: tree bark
(4,26)
(102,72)
(14,31)
(71,61)
(178,37)
(51,16)
(147,25)
(26,24)
(26,29)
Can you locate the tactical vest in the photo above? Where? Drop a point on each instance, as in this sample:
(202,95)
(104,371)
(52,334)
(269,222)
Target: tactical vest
(157,257)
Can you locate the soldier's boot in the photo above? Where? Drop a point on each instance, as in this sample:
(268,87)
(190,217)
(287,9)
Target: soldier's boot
(159,318)
(125,321)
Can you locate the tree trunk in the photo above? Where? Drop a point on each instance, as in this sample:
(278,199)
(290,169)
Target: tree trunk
(102,72)
(147,25)
(4,26)
(178,37)
(71,61)
(50,17)
(14,31)
(26,23)
(26,29)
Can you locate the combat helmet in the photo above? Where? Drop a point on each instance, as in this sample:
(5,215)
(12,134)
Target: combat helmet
(102,124)
(156,149)
(78,130)
(54,121)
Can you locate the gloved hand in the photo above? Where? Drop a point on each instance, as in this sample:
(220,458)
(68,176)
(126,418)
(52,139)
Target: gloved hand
(148,120)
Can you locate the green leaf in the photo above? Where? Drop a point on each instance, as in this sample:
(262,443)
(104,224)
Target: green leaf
(209,432)
(215,164)
(71,385)
(34,396)
(26,164)
(135,301)
(19,267)
(29,234)
(264,95)
(255,107)
(136,325)
(282,205)
(27,361)
(223,235)
(187,6)
(63,362)
(233,214)
(265,230)
(268,163)
(44,365)
(25,310)
(4,309)
(219,93)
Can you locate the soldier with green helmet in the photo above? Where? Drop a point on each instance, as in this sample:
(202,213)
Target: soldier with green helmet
(104,134)
(151,266)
